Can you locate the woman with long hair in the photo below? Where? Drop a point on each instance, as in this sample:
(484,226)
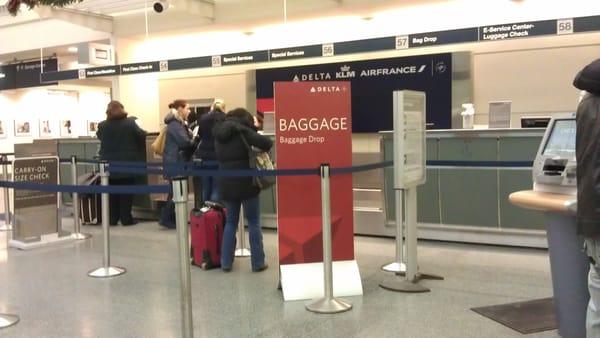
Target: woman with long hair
(179,145)
(231,137)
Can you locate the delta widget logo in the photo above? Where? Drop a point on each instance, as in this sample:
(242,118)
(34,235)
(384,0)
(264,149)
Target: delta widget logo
(441,67)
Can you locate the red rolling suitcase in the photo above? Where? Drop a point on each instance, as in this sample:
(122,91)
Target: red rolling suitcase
(206,226)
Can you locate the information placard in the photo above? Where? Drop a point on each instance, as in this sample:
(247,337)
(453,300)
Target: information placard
(35,211)
(409,138)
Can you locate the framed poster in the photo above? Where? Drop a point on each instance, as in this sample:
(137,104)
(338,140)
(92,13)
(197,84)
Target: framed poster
(2,129)
(66,129)
(92,127)
(22,128)
(45,128)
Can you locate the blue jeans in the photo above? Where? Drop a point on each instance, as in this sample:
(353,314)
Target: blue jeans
(252,213)
(592,322)
(210,186)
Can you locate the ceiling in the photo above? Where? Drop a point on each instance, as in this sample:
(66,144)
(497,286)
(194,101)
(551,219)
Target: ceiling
(112,7)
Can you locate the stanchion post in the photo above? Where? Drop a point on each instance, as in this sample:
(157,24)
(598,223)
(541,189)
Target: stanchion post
(7,320)
(411,235)
(180,197)
(106,270)
(327,304)
(242,251)
(7,226)
(398,266)
(76,217)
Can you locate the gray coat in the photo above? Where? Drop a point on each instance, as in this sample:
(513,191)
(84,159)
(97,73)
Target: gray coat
(179,143)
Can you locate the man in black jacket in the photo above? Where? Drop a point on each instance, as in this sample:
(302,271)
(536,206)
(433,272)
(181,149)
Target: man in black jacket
(588,183)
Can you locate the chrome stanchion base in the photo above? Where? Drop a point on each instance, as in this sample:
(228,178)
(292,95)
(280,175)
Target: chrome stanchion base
(402,285)
(80,236)
(6,227)
(333,305)
(242,253)
(7,320)
(394,267)
(421,276)
(111,271)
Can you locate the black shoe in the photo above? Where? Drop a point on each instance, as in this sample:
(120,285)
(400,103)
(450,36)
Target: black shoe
(167,225)
(263,268)
(133,222)
(226,269)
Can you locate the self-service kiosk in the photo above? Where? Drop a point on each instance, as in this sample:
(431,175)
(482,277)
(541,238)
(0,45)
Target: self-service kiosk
(555,166)
(555,193)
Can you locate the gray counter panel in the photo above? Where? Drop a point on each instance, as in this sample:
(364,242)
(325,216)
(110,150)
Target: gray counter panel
(475,198)
(517,149)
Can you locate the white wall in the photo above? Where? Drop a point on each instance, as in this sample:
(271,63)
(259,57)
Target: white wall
(229,87)
(538,81)
(56,104)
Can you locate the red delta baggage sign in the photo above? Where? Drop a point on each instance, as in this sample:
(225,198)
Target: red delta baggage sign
(313,126)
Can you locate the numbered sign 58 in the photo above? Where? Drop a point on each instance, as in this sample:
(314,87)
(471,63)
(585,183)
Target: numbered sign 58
(564,26)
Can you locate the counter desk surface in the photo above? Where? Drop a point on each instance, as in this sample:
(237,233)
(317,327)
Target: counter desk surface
(543,201)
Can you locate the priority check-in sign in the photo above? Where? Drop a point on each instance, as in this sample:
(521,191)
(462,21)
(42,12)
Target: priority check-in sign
(313,126)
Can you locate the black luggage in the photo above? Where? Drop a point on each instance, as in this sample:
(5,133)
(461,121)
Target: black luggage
(90,205)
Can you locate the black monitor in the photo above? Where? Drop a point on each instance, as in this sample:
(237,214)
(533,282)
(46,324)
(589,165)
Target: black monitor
(535,122)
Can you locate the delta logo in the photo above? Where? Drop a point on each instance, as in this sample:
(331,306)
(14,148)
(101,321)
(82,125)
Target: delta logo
(327,89)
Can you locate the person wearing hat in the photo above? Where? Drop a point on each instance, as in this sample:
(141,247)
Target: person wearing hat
(588,183)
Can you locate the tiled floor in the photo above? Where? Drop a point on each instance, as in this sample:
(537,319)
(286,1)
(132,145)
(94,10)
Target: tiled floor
(49,289)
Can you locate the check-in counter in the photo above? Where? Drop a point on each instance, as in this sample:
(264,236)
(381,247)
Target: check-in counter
(456,204)
(144,206)
(471,204)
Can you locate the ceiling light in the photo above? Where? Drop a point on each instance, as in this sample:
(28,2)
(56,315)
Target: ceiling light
(72,49)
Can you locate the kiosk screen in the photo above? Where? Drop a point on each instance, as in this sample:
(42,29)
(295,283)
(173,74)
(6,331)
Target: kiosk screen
(561,141)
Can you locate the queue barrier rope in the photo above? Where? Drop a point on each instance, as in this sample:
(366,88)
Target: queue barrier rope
(89,189)
(195,169)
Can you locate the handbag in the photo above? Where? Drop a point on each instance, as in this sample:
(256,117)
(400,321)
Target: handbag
(158,146)
(259,160)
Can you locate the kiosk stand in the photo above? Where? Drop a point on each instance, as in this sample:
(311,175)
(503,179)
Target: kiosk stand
(409,172)
(555,193)
(398,266)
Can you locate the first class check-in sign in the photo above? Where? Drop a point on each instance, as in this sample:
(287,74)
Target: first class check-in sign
(313,126)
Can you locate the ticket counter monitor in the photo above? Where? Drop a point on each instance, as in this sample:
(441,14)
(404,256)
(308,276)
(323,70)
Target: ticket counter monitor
(555,193)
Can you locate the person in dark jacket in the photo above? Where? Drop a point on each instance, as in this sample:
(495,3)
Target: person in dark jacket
(588,183)
(232,153)
(121,139)
(205,152)
(179,145)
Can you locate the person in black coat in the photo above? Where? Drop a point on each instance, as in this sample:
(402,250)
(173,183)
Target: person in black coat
(588,183)
(206,153)
(121,139)
(232,153)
